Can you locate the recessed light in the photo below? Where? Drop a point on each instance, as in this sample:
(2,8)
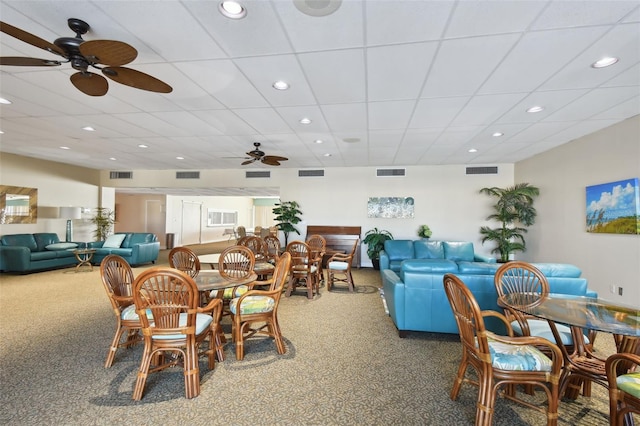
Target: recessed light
(281,85)
(232,9)
(64,147)
(1,132)
(305,120)
(317,7)
(318,141)
(112,158)
(473,150)
(327,155)
(604,62)
(535,109)
(179,158)
(143,146)
(89,129)
(5,101)
(497,134)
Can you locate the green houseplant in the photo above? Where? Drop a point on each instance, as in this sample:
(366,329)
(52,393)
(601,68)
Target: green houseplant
(424,231)
(287,214)
(514,212)
(374,239)
(103,220)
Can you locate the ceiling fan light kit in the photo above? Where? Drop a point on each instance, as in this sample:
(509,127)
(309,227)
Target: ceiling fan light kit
(107,56)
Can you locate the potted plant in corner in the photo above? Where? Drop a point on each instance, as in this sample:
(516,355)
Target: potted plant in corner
(103,220)
(514,212)
(424,231)
(286,215)
(374,239)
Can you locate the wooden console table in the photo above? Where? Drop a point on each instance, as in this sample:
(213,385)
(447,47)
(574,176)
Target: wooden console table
(339,239)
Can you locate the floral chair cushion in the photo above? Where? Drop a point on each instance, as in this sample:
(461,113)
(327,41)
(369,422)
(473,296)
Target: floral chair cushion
(540,328)
(253,305)
(517,357)
(630,383)
(231,292)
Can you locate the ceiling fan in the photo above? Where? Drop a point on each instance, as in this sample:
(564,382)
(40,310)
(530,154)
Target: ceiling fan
(256,154)
(106,55)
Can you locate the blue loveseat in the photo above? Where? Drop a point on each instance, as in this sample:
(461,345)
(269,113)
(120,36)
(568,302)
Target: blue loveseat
(137,248)
(414,293)
(35,252)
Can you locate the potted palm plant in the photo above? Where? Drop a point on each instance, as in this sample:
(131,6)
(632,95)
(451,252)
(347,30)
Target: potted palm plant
(286,215)
(514,212)
(374,239)
(424,231)
(103,220)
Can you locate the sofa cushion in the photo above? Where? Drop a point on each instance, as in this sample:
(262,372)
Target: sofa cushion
(131,239)
(399,249)
(20,240)
(456,251)
(43,239)
(61,246)
(114,241)
(425,249)
(439,266)
(558,270)
(42,255)
(477,268)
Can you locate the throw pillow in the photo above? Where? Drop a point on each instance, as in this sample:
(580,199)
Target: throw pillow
(61,246)
(114,241)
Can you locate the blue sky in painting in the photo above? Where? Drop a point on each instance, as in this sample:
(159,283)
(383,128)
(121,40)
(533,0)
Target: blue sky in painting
(616,198)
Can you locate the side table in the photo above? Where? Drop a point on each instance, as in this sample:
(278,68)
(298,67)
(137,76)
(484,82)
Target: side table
(84,257)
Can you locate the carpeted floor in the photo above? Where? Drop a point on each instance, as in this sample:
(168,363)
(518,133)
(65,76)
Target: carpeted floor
(345,365)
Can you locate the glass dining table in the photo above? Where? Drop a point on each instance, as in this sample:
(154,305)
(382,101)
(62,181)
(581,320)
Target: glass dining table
(582,313)
(209,280)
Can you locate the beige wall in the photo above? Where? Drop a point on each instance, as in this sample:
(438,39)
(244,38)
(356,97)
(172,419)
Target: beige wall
(559,234)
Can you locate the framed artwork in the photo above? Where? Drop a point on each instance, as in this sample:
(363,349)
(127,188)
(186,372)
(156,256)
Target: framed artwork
(614,208)
(390,207)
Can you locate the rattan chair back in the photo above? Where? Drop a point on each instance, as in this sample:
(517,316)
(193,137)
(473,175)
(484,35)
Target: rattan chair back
(185,260)
(236,263)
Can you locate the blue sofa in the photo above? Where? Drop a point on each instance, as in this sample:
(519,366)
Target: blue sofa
(137,248)
(414,293)
(35,252)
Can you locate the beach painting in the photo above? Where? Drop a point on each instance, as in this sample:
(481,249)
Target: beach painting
(614,208)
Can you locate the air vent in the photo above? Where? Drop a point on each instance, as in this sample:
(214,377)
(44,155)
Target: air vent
(187,175)
(120,175)
(310,173)
(265,174)
(493,170)
(390,172)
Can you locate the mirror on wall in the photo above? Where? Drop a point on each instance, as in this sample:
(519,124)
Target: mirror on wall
(18,204)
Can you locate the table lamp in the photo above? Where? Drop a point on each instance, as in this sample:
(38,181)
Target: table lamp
(70,213)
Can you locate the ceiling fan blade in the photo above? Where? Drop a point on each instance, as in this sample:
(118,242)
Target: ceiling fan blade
(275,158)
(244,163)
(30,38)
(270,161)
(108,52)
(254,154)
(137,79)
(27,62)
(90,83)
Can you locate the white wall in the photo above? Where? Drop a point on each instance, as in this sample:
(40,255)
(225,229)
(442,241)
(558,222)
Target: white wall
(559,234)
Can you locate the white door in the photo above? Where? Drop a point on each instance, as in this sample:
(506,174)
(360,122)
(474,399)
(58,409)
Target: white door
(191,223)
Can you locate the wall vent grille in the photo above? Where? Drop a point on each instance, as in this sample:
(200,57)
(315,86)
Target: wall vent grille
(120,175)
(259,174)
(310,173)
(493,170)
(390,172)
(187,175)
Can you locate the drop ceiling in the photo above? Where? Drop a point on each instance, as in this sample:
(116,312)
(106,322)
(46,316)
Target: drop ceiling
(385,83)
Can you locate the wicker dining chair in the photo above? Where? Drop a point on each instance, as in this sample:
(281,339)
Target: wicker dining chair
(184,259)
(257,246)
(339,268)
(260,307)
(273,248)
(500,361)
(174,326)
(117,278)
(236,263)
(624,387)
(303,268)
(318,246)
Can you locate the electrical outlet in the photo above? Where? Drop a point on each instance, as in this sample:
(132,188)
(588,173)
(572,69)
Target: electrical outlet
(619,291)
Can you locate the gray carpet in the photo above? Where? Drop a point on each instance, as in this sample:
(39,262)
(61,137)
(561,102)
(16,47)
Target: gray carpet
(345,365)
